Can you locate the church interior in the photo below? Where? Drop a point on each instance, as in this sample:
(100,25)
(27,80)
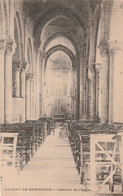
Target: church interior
(61,108)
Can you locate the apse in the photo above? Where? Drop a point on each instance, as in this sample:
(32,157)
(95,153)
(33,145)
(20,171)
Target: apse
(58,84)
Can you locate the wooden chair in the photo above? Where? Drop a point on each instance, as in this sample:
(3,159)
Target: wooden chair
(117,167)
(8,155)
(84,157)
(103,164)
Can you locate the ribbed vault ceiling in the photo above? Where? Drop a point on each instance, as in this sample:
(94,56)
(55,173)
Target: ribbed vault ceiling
(66,17)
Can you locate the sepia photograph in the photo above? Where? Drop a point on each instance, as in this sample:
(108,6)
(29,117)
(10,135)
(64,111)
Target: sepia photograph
(61,97)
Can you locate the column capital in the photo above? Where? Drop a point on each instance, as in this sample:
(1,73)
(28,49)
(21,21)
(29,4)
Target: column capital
(32,76)
(24,66)
(28,76)
(91,64)
(91,67)
(10,47)
(17,65)
(103,48)
(98,67)
(115,47)
(2,46)
(91,71)
(43,55)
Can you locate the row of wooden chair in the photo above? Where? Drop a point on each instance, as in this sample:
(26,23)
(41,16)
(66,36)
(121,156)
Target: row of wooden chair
(20,141)
(86,154)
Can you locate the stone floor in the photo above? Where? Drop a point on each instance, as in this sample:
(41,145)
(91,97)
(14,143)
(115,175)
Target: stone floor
(51,171)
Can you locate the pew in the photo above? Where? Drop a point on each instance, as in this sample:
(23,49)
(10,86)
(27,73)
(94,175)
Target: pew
(25,137)
(81,137)
(31,135)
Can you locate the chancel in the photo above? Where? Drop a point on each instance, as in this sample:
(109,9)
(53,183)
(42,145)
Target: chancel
(61,92)
(58,84)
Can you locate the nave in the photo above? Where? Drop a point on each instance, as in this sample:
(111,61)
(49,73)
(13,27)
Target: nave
(62,60)
(61,163)
(51,167)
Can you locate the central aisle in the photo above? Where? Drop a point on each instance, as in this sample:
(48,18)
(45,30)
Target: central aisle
(51,172)
(52,165)
(52,168)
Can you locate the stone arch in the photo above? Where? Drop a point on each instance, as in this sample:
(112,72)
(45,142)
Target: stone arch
(65,42)
(57,35)
(53,13)
(17,54)
(20,34)
(72,20)
(29,57)
(62,48)
(97,18)
(97,11)
(28,54)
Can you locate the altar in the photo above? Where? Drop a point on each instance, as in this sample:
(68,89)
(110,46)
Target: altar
(59,117)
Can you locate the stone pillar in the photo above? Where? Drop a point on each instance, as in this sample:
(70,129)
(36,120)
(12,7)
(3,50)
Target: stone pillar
(17,68)
(74,98)
(89,94)
(97,68)
(72,95)
(85,104)
(22,76)
(92,72)
(104,82)
(92,92)
(28,110)
(88,97)
(43,85)
(8,81)
(113,48)
(2,52)
(37,85)
(74,103)
(32,96)
(77,94)
(81,73)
